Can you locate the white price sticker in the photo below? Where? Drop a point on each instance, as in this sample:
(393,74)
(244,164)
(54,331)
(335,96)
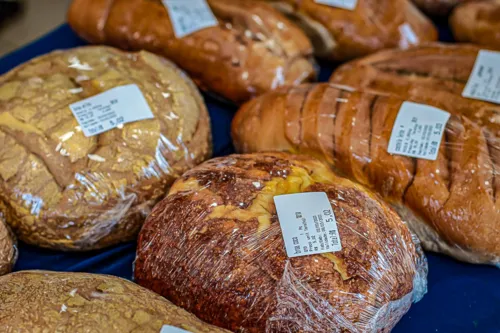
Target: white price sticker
(172,329)
(484,81)
(111,109)
(308,223)
(188,16)
(418,131)
(345,4)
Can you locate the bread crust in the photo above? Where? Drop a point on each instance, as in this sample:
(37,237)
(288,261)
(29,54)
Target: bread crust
(340,34)
(252,50)
(42,301)
(478,23)
(62,190)
(214,247)
(455,196)
(8,248)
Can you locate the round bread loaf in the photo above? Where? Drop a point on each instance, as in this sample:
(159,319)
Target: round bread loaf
(40,301)
(60,189)
(8,248)
(214,247)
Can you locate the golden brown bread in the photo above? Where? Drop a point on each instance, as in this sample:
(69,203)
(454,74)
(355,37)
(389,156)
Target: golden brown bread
(62,190)
(435,74)
(214,247)
(41,301)
(439,7)
(8,248)
(478,23)
(341,34)
(252,50)
(451,203)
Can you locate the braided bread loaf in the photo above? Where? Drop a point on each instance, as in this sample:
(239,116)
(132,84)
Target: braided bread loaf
(478,23)
(252,50)
(452,203)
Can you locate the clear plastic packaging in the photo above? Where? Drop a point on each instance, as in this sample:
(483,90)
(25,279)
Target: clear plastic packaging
(41,301)
(8,248)
(451,202)
(63,190)
(214,246)
(341,34)
(252,49)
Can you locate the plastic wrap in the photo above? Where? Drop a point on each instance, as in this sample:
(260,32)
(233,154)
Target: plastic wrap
(341,34)
(434,74)
(63,190)
(214,247)
(478,23)
(451,202)
(8,248)
(40,301)
(252,49)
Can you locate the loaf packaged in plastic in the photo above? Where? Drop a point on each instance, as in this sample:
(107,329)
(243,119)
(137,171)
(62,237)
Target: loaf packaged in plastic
(41,301)
(8,248)
(234,48)
(436,167)
(90,139)
(478,23)
(216,247)
(436,74)
(343,30)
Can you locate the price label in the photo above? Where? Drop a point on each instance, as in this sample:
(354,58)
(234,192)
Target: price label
(188,16)
(308,223)
(418,131)
(111,109)
(172,329)
(345,4)
(484,81)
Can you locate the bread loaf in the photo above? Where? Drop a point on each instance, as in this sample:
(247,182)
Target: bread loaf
(8,248)
(341,34)
(478,23)
(438,7)
(214,247)
(40,301)
(450,203)
(433,74)
(62,190)
(252,50)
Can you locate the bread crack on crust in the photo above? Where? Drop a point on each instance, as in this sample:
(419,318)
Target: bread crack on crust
(451,203)
(62,190)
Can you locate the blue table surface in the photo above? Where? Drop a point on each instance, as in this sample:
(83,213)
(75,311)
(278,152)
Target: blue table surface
(461,297)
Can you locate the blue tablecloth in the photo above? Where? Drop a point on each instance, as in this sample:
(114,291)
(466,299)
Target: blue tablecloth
(462,298)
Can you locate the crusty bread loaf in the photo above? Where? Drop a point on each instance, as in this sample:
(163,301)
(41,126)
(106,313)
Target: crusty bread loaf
(478,23)
(8,248)
(438,7)
(435,74)
(214,247)
(41,301)
(341,34)
(252,50)
(62,190)
(451,203)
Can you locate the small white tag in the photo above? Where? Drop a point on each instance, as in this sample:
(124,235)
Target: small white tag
(408,35)
(172,329)
(110,109)
(418,131)
(188,16)
(484,81)
(308,223)
(345,4)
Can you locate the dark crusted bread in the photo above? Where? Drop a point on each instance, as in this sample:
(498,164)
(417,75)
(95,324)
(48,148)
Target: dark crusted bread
(214,247)
(253,49)
(62,190)
(478,23)
(451,203)
(8,248)
(41,301)
(341,34)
